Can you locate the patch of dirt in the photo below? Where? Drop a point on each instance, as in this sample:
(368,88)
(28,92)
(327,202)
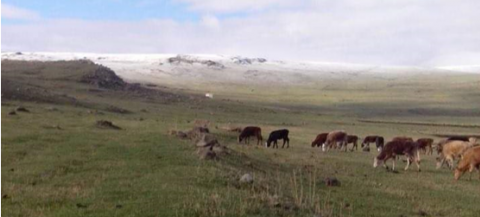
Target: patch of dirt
(104,124)
(22,109)
(117,110)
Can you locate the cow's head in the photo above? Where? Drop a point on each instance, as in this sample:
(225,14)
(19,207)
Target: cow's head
(472,140)
(458,173)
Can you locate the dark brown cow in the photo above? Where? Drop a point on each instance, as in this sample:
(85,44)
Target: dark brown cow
(368,140)
(354,140)
(321,138)
(276,135)
(378,140)
(425,144)
(335,137)
(251,131)
(394,148)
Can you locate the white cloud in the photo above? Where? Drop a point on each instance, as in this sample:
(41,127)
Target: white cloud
(16,13)
(409,32)
(210,21)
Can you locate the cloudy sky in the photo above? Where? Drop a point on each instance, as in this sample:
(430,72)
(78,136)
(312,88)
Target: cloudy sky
(387,32)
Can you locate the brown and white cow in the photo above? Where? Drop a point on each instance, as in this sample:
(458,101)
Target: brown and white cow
(378,140)
(425,144)
(320,139)
(353,140)
(335,139)
(395,148)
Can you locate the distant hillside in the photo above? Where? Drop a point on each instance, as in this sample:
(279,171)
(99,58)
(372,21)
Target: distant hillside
(184,69)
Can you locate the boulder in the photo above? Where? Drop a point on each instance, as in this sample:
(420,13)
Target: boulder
(197,133)
(247,178)
(207,140)
(206,154)
(220,149)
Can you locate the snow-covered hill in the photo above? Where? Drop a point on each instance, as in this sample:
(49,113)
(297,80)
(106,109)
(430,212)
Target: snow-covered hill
(173,68)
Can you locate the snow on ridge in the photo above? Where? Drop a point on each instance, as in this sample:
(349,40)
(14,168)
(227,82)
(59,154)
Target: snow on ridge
(169,64)
(462,68)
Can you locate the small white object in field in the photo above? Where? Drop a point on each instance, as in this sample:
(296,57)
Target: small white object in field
(323,147)
(209,95)
(246,178)
(379,149)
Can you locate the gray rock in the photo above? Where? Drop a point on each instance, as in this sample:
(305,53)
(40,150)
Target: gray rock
(246,178)
(207,140)
(206,154)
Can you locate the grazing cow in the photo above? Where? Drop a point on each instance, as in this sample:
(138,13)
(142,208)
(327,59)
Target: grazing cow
(354,140)
(440,144)
(470,161)
(394,148)
(378,140)
(251,131)
(425,144)
(453,149)
(276,135)
(321,138)
(336,137)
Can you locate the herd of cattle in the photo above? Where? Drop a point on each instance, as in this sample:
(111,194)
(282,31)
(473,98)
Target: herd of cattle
(462,148)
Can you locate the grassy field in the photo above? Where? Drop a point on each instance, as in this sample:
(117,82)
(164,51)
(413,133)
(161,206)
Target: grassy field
(57,162)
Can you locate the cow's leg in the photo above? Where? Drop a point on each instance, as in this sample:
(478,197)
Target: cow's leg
(450,162)
(418,155)
(470,170)
(288,143)
(385,162)
(283,146)
(393,164)
(417,162)
(408,163)
(441,163)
